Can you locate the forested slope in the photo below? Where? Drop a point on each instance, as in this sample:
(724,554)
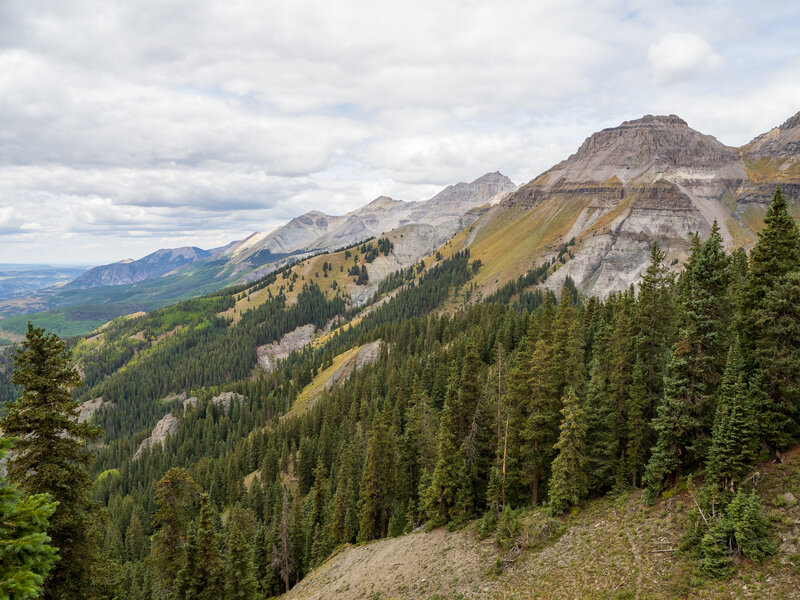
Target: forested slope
(523,402)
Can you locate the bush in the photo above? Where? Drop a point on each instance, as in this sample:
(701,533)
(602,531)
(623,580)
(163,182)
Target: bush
(509,528)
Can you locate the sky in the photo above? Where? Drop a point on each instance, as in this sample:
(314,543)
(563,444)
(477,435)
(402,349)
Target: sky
(131,126)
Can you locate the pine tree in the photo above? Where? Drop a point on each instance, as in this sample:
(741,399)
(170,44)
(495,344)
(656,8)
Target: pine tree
(240,580)
(135,541)
(686,412)
(777,351)
(175,496)
(25,551)
(734,443)
(202,574)
(52,456)
(776,254)
(639,432)
(543,418)
(654,324)
(568,483)
(377,486)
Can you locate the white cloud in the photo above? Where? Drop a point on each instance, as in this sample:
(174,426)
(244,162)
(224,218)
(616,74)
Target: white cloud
(197,122)
(681,56)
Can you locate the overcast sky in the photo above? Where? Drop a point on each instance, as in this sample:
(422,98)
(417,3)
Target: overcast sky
(134,125)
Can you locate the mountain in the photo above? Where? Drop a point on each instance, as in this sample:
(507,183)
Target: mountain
(170,275)
(159,263)
(653,178)
(316,231)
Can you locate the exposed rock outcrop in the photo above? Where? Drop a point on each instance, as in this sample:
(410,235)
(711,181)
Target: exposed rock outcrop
(225,398)
(168,425)
(269,354)
(367,354)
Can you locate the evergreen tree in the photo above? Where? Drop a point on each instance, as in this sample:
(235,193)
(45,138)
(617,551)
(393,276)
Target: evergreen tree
(639,432)
(52,457)
(543,418)
(568,483)
(175,496)
(777,352)
(686,412)
(240,580)
(654,325)
(734,442)
(202,574)
(377,486)
(776,254)
(135,540)
(25,551)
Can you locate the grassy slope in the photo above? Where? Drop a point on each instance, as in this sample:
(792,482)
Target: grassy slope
(615,548)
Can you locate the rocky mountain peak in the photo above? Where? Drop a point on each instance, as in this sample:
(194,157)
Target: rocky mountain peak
(651,146)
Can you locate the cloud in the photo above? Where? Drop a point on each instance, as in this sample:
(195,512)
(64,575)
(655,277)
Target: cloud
(681,56)
(129,126)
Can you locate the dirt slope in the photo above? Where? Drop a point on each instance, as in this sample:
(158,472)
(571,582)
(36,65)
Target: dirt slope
(615,548)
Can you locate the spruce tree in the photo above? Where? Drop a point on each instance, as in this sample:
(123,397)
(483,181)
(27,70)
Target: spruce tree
(202,574)
(777,352)
(378,484)
(568,483)
(686,412)
(639,432)
(175,497)
(240,580)
(734,442)
(776,254)
(25,551)
(52,457)
(541,425)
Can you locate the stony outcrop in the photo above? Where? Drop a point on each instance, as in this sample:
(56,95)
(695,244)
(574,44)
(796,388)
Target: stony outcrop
(270,354)
(225,398)
(367,354)
(168,425)
(89,407)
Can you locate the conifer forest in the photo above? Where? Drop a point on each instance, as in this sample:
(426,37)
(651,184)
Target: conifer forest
(473,412)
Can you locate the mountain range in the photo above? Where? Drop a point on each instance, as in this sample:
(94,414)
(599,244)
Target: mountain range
(653,178)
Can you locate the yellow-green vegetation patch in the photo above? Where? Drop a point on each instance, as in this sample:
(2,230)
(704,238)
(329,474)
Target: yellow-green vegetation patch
(741,237)
(773,169)
(311,393)
(324,339)
(753,217)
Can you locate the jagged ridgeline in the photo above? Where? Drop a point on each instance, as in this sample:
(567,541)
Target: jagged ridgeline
(491,389)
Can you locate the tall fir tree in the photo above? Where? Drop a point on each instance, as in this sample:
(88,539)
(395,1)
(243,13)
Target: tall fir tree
(734,442)
(25,551)
(686,412)
(176,495)
(202,575)
(52,456)
(543,418)
(568,484)
(240,580)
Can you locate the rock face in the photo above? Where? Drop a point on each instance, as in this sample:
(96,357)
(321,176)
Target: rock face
(168,425)
(367,354)
(157,264)
(653,178)
(225,398)
(269,354)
